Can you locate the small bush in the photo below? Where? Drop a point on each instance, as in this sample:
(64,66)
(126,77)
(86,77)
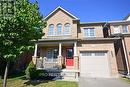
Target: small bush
(30,71)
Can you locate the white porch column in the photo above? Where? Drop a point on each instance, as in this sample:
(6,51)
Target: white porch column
(75,49)
(35,52)
(60,48)
(60,56)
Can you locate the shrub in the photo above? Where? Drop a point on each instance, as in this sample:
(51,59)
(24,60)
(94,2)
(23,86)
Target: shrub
(30,71)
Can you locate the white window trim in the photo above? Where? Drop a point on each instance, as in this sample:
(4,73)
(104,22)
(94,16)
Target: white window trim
(51,59)
(56,33)
(69,30)
(127,29)
(62,31)
(49,30)
(119,29)
(89,33)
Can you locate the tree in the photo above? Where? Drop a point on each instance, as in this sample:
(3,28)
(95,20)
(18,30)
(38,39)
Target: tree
(17,31)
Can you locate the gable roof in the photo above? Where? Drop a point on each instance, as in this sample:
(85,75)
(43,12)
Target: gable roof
(127,17)
(60,8)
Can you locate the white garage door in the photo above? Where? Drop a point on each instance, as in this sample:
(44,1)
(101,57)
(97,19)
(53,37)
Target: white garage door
(94,65)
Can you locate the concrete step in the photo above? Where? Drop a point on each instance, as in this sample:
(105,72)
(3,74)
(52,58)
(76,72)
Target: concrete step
(70,74)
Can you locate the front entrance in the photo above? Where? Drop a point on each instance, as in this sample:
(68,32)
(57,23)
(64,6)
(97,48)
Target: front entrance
(69,57)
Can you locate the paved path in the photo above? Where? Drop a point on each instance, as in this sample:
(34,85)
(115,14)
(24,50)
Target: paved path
(87,82)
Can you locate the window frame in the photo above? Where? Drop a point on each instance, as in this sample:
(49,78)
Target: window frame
(115,31)
(87,32)
(59,29)
(125,27)
(52,51)
(67,32)
(52,32)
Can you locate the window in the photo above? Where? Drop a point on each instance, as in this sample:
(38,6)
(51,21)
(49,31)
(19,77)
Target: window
(116,29)
(59,29)
(51,30)
(125,29)
(69,53)
(52,54)
(67,29)
(99,53)
(89,32)
(93,53)
(87,54)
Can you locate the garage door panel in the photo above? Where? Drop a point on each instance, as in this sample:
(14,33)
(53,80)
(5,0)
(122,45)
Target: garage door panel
(94,64)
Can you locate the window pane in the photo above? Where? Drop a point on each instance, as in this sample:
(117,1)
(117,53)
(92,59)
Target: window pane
(49,54)
(89,32)
(86,32)
(116,29)
(125,29)
(67,29)
(99,53)
(87,54)
(55,52)
(51,29)
(59,29)
(52,53)
(70,53)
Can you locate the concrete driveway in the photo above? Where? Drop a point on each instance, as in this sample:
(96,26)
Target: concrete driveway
(89,82)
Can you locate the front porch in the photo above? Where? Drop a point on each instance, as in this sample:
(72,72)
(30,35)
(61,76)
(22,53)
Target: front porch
(56,55)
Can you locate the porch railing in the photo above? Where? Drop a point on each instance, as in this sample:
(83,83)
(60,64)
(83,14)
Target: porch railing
(45,63)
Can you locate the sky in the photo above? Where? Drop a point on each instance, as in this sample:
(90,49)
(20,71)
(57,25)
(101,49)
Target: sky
(89,10)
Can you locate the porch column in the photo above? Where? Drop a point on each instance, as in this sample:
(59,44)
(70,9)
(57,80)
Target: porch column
(75,49)
(35,55)
(76,61)
(60,56)
(60,48)
(35,52)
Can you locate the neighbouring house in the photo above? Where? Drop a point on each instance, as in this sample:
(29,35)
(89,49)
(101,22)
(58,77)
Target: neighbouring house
(122,29)
(85,49)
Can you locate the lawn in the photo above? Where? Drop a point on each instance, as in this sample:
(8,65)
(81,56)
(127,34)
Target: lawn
(21,82)
(126,79)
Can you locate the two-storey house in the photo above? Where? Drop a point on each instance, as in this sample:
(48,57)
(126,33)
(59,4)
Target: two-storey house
(69,45)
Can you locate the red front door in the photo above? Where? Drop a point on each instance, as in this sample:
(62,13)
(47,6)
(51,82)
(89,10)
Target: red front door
(69,57)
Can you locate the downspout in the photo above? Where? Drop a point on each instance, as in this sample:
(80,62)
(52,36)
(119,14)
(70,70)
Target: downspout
(126,56)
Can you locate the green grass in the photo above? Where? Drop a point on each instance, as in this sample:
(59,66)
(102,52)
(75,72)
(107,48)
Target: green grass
(126,79)
(21,82)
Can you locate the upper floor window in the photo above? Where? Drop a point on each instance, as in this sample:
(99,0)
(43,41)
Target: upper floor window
(89,32)
(59,29)
(116,29)
(67,29)
(125,29)
(51,30)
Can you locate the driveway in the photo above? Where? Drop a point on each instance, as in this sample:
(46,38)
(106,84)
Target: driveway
(88,82)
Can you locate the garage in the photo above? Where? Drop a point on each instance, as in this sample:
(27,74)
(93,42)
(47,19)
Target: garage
(94,64)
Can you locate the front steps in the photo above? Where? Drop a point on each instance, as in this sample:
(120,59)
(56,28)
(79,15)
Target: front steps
(64,74)
(70,74)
